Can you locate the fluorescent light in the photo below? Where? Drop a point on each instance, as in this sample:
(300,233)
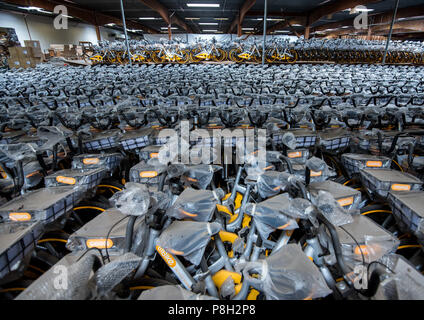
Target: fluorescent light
(356,10)
(268,19)
(363,10)
(210,30)
(166,28)
(247,28)
(208,23)
(147,18)
(110,24)
(36,9)
(282,31)
(221,18)
(203,5)
(296,25)
(192,18)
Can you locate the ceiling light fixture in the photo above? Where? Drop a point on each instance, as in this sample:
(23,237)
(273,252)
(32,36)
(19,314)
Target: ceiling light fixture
(208,23)
(147,18)
(210,30)
(36,9)
(203,5)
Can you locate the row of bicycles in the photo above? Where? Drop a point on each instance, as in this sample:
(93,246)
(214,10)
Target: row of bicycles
(212,182)
(278,50)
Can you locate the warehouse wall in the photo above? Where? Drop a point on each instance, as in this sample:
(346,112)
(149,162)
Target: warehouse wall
(41,28)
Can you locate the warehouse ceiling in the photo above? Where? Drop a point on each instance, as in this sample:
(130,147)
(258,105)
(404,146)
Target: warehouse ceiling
(300,17)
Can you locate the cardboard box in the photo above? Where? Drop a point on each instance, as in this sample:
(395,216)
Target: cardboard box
(32,43)
(24,52)
(35,61)
(35,52)
(13,52)
(26,63)
(13,63)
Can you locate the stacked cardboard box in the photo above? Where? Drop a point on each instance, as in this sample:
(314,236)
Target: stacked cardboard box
(69,51)
(56,50)
(20,57)
(37,55)
(26,57)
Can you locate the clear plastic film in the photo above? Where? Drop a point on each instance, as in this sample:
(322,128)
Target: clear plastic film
(53,135)
(147,171)
(163,199)
(32,173)
(73,286)
(111,274)
(289,275)
(134,200)
(289,140)
(255,166)
(176,170)
(227,288)
(320,171)
(200,176)
(364,241)
(88,161)
(188,239)
(82,179)
(271,183)
(405,283)
(331,209)
(18,151)
(269,215)
(169,292)
(196,205)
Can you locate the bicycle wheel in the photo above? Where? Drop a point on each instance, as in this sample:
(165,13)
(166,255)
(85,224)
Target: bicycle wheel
(257,57)
(219,55)
(156,57)
(294,56)
(193,54)
(234,55)
(109,187)
(270,55)
(182,57)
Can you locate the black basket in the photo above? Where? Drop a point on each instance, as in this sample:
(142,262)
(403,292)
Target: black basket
(149,152)
(347,197)
(17,241)
(408,209)
(379,182)
(94,233)
(101,141)
(109,161)
(11,137)
(48,205)
(84,178)
(156,139)
(135,140)
(334,140)
(304,138)
(298,156)
(150,175)
(354,162)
